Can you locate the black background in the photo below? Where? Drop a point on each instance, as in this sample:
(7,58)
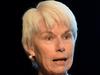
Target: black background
(86,60)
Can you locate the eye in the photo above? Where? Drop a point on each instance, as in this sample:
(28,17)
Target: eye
(49,38)
(67,36)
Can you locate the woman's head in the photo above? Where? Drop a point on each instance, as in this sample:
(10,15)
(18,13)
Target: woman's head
(49,34)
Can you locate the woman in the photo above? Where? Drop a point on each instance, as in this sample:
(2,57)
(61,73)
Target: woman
(48,37)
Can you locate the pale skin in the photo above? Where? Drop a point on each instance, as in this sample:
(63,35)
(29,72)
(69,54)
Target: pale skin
(46,48)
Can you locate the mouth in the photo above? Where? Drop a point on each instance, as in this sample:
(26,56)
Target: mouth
(59,59)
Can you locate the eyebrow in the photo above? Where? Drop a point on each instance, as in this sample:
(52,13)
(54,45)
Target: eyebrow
(45,32)
(49,32)
(67,31)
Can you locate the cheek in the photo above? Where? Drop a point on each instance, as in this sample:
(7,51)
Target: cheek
(69,63)
(47,50)
(70,53)
(43,54)
(70,48)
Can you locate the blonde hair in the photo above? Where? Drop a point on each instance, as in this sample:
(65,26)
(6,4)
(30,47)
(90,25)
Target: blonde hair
(50,12)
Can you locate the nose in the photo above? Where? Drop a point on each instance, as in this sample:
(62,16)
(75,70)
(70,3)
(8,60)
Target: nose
(61,50)
(60,46)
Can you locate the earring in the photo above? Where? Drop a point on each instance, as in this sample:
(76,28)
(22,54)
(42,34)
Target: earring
(31,57)
(34,63)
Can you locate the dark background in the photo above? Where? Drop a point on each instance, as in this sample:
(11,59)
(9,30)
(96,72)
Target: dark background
(87,51)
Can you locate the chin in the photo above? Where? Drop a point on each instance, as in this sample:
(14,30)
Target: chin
(59,70)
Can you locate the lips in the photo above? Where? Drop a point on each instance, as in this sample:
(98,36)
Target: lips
(60,59)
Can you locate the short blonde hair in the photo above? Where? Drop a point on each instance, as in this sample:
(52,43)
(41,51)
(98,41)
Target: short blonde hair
(49,12)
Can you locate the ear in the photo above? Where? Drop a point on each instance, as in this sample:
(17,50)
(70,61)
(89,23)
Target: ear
(31,52)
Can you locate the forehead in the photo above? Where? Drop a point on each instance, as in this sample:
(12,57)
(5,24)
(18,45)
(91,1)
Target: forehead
(55,27)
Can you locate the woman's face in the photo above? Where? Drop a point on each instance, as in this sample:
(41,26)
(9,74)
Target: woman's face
(53,49)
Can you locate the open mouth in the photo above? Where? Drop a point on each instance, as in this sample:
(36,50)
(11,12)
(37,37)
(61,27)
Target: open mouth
(60,59)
